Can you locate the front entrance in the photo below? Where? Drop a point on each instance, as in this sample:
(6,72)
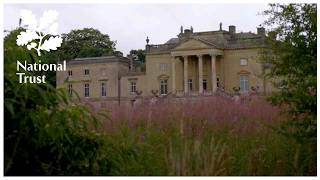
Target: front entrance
(204,84)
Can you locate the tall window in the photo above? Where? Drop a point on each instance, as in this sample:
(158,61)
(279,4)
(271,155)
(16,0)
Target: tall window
(163,87)
(69,73)
(244,83)
(103,89)
(70,90)
(190,84)
(86,72)
(86,90)
(204,84)
(133,87)
(103,71)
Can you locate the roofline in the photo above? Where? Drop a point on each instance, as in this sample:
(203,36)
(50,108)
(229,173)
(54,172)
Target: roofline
(102,59)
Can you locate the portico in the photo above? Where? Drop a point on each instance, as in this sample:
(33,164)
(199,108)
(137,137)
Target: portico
(194,82)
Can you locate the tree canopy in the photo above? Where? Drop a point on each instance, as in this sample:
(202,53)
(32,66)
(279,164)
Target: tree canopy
(293,58)
(139,54)
(87,42)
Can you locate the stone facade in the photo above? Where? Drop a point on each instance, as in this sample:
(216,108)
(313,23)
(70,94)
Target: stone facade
(193,64)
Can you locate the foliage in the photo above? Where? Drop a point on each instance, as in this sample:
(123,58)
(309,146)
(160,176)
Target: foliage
(202,137)
(44,133)
(15,52)
(87,42)
(293,56)
(47,134)
(118,53)
(138,54)
(140,58)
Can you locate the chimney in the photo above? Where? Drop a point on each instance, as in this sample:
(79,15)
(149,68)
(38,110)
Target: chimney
(232,29)
(187,33)
(261,31)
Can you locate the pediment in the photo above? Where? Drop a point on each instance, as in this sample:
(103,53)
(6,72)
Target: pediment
(243,72)
(194,44)
(163,77)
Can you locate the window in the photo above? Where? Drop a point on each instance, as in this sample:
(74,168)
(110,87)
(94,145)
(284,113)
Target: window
(190,84)
(86,72)
(133,87)
(243,62)
(244,83)
(86,90)
(163,66)
(218,82)
(103,89)
(70,90)
(204,84)
(69,73)
(164,87)
(103,71)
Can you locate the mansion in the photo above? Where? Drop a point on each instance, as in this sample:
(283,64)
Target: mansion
(191,64)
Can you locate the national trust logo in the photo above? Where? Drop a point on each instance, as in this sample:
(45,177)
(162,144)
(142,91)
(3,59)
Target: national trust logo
(39,35)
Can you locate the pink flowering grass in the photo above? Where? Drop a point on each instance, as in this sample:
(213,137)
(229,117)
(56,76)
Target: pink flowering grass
(201,136)
(196,114)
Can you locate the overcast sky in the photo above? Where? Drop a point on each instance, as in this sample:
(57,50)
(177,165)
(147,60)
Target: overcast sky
(130,24)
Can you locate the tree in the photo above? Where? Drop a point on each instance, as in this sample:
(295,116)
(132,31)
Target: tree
(87,42)
(139,54)
(293,47)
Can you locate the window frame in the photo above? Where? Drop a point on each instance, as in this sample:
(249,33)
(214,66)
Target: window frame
(163,87)
(243,60)
(103,72)
(133,86)
(86,93)
(103,89)
(69,73)
(163,66)
(85,72)
(244,83)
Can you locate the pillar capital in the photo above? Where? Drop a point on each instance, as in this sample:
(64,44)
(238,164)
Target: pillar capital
(213,55)
(199,55)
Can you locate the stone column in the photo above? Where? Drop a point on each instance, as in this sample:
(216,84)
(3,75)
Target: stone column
(200,66)
(185,74)
(213,73)
(173,71)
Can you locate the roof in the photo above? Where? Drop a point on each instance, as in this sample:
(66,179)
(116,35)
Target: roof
(172,41)
(218,39)
(102,59)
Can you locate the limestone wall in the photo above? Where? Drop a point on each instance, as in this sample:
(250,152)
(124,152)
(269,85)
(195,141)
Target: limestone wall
(99,72)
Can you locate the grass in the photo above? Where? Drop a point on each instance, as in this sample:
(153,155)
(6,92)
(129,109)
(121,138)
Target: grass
(212,136)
